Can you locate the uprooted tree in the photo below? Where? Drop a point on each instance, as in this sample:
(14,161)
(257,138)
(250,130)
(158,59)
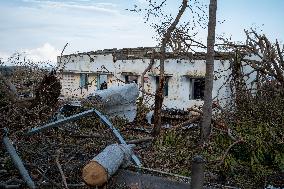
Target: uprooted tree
(29,94)
(254,141)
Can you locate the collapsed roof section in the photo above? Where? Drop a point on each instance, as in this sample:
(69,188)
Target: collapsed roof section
(146,53)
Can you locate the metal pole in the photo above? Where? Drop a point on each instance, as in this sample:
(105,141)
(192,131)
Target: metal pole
(103,119)
(197,172)
(60,122)
(117,134)
(18,162)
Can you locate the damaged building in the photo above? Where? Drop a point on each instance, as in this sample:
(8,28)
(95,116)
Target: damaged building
(84,73)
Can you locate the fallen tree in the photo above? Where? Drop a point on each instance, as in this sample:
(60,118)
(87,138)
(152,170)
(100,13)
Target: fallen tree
(254,116)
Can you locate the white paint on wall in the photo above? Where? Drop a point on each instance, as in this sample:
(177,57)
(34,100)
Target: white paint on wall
(179,70)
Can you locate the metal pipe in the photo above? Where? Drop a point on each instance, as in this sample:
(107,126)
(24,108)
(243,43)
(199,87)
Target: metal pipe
(60,122)
(117,134)
(109,124)
(103,119)
(18,162)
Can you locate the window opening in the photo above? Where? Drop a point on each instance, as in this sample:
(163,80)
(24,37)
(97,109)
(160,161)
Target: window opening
(102,82)
(166,87)
(197,88)
(84,80)
(131,79)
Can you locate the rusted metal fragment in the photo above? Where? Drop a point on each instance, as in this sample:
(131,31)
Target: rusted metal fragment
(143,181)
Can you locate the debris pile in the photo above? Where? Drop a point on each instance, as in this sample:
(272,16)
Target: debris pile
(55,154)
(17,113)
(59,151)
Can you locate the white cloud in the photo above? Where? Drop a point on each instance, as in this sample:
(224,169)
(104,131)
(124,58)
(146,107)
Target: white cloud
(4,56)
(44,53)
(107,5)
(29,25)
(142,1)
(86,6)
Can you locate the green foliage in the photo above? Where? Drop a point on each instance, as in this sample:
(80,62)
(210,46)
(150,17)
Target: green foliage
(174,150)
(185,173)
(258,120)
(171,139)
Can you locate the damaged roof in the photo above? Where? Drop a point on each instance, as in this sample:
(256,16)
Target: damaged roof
(146,53)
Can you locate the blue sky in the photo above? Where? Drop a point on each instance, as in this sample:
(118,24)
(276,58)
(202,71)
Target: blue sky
(42,28)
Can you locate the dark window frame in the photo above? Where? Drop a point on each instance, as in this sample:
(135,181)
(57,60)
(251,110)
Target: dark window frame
(84,80)
(166,87)
(197,88)
(127,81)
(102,85)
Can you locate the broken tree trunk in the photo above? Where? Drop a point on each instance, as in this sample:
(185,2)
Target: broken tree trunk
(152,62)
(159,97)
(209,76)
(106,163)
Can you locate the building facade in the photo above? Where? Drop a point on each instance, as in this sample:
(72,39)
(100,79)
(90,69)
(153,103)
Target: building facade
(84,73)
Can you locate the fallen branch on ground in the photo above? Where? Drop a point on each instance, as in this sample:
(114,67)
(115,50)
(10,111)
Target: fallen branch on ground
(92,135)
(60,170)
(228,149)
(215,123)
(192,120)
(141,140)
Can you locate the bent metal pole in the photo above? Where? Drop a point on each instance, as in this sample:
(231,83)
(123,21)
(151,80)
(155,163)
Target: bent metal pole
(103,119)
(117,134)
(59,122)
(17,161)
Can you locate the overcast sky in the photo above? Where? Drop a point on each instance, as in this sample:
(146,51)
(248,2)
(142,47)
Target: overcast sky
(42,28)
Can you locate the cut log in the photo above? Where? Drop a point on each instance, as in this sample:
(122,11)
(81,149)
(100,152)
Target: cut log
(106,163)
(94,174)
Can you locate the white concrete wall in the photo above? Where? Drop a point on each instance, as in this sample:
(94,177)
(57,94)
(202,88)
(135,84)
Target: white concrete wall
(70,83)
(179,83)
